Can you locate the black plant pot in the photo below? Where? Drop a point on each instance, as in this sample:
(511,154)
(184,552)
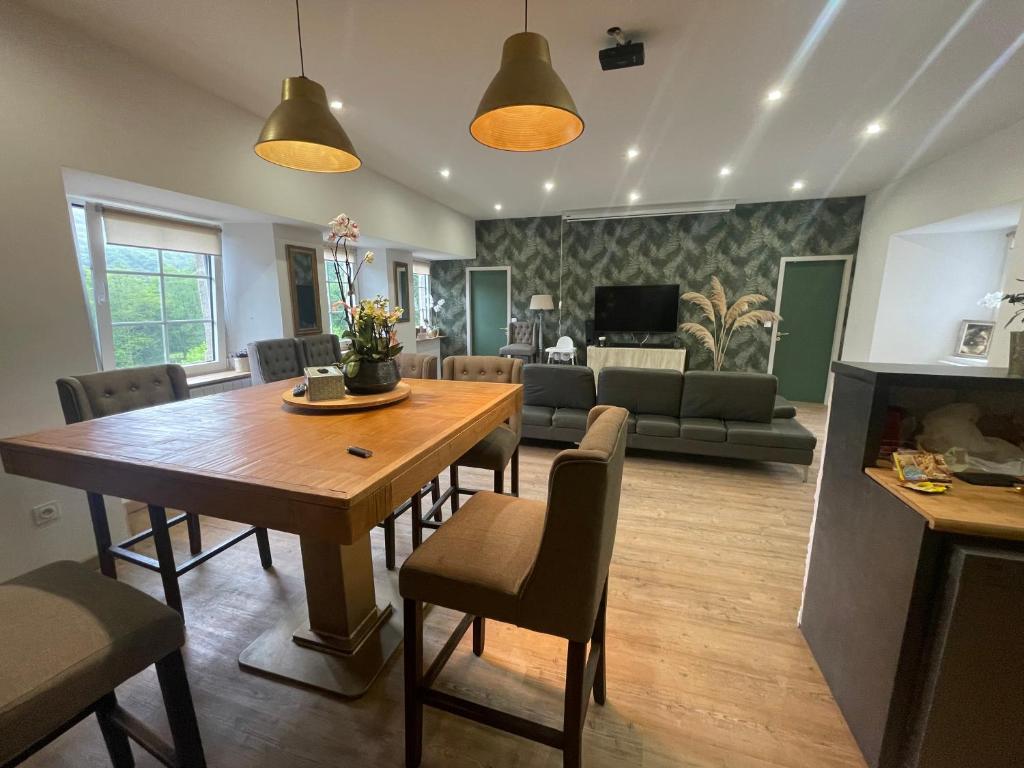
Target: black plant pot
(373,378)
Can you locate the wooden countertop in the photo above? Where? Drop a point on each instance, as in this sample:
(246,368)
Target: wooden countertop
(974,510)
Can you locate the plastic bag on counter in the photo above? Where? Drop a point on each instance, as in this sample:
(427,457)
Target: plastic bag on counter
(952,430)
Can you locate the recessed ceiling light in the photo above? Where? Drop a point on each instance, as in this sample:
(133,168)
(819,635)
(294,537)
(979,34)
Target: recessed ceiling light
(634,196)
(549,185)
(497,206)
(725,171)
(797,185)
(445,172)
(632,153)
(337,104)
(873,129)
(774,95)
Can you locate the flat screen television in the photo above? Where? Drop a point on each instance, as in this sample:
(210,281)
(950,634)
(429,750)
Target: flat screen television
(636,308)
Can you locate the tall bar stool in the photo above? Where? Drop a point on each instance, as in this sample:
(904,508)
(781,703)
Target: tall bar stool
(410,366)
(68,638)
(496,451)
(543,567)
(106,393)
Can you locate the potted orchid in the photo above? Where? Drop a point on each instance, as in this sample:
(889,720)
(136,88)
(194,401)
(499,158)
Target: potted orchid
(369,362)
(992,301)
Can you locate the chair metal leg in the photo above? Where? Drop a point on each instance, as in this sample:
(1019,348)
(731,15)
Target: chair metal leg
(416,517)
(101,531)
(479,635)
(499,481)
(195,533)
(515,472)
(114,737)
(389,543)
(181,714)
(263,544)
(165,556)
(453,472)
(413,614)
(435,496)
(572,726)
(598,644)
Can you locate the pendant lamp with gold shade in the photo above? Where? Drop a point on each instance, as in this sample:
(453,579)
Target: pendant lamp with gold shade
(527,107)
(302,133)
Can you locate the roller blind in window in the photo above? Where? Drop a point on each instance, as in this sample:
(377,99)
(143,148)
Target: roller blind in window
(140,231)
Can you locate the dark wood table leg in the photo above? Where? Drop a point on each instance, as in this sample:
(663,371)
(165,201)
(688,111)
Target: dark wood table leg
(343,638)
(101,530)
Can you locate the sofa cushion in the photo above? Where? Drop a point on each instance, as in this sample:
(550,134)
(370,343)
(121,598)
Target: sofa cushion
(780,433)
(537,415)
(658,426)
(641,390)
(570,418)
(708,430)
(728,395)
(783,408)
(559,386)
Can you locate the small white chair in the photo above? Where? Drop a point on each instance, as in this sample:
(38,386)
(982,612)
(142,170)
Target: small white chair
(564,351)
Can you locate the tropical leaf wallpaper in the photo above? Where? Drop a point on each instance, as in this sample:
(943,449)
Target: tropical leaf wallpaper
(743,248)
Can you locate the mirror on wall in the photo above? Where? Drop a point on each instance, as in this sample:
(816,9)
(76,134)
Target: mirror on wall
(402,289)
(304,289)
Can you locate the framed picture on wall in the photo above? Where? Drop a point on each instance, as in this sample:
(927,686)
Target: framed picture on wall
(304,289)
(975,338)
(402,290)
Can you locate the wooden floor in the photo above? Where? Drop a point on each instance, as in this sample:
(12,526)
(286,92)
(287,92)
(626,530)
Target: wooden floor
(705,664)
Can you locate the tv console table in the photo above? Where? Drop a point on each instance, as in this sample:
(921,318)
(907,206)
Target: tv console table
(635,357)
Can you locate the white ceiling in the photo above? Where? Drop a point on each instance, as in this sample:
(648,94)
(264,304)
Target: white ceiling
(938,73)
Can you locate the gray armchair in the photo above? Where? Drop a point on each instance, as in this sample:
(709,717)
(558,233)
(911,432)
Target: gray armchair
(520,342)
(94,395)
(321,349)
(275,359)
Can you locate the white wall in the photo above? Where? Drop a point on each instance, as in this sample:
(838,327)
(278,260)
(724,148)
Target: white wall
(932,283)
(1011,283)
(252,297)
(986,174)
(70,101)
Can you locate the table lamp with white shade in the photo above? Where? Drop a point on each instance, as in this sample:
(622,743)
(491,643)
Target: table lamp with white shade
(541,302)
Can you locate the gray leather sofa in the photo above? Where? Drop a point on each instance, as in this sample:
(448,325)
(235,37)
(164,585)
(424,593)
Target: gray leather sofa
(735,415)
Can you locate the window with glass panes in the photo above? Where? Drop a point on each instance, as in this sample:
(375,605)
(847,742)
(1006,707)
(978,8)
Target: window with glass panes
(335,309)
(161,306)
(421,299)
(147,305)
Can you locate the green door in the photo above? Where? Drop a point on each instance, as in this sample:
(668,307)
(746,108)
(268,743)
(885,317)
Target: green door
(803,341)
(488,310)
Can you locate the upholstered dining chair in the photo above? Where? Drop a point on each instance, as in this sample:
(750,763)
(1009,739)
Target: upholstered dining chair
(543,567)
(93,395)
(411,366)
(521,343)
(69,637)
(275,360)
(496,451)
(319,349)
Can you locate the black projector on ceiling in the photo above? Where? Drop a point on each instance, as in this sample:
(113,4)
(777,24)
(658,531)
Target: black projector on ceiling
(625,53)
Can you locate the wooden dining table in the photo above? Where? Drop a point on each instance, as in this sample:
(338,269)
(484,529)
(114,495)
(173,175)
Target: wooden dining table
(246,456)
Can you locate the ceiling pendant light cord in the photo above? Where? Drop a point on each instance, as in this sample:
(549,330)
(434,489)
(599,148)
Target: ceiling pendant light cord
(298,26)
(526,15)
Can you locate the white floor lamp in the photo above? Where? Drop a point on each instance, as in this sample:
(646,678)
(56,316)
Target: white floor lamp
(541,302)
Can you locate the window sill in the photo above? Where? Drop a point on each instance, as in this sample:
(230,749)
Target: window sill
(206,379)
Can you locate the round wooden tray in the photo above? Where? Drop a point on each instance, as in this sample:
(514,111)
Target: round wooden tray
(349,402)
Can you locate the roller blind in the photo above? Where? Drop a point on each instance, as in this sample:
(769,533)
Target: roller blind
(420,268)
(141,231)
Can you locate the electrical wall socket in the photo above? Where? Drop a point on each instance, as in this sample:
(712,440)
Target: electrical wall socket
(46,514)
